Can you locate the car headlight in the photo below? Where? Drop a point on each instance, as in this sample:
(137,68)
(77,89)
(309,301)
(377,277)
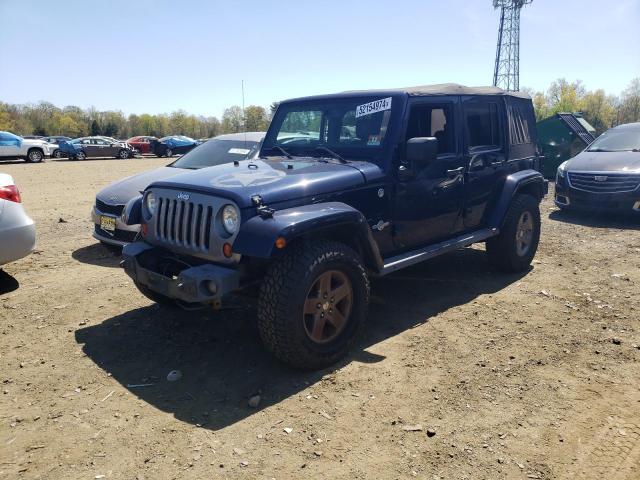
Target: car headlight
(562,169)
(230,219)
(150,203)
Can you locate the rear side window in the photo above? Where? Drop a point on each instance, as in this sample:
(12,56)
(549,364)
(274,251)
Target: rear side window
(482,125)
(518,126)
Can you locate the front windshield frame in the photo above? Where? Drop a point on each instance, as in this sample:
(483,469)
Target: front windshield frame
(334,133)
(617,140)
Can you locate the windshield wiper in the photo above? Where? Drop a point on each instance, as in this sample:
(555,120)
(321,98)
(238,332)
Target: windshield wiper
(322,148)
(281,150)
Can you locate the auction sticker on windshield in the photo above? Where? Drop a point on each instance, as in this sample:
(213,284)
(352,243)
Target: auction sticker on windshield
(373,107)
(239,151)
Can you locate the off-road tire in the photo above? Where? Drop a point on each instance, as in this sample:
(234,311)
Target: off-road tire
(156,297)
(35,155)
(502,250)
(284,291)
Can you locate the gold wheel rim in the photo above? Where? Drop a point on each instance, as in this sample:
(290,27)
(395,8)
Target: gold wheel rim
(327,306)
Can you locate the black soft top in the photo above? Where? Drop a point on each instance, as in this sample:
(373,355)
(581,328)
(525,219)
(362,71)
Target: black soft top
(447,89)
(423,91)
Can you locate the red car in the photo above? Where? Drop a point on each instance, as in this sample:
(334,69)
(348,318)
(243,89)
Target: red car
(143,144)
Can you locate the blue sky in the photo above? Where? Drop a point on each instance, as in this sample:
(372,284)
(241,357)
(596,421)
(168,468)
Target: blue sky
(158,56)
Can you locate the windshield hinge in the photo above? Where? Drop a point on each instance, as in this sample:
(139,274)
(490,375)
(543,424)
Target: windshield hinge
(263,210)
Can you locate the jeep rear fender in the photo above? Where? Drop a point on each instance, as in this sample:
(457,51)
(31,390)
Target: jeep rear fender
(530,182)
(333,220)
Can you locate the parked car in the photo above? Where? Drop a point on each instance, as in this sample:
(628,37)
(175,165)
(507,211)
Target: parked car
(605,176)
(102,147)
(173,145)
(32,150)
(142,143)
(56,152)
(428,170)
(110,201)
(17,230)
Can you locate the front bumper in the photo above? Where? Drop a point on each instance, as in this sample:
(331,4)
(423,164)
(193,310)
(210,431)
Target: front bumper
(571,198)
(206,283)
(123,234)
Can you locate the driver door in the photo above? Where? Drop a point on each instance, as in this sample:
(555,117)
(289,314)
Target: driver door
(429,202)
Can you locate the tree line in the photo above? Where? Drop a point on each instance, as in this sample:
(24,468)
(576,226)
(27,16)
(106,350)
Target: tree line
(46,119)
(600,109)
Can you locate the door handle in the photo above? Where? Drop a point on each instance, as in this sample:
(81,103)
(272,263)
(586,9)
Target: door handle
(496,164)
(455,172)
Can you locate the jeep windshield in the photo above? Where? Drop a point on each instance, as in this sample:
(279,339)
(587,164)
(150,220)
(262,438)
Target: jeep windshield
(626,140)
(216,152)
(342,128)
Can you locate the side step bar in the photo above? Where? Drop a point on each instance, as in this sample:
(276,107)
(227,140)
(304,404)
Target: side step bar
(416,256)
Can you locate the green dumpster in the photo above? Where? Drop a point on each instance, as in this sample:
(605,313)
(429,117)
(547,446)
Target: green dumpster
(562,137)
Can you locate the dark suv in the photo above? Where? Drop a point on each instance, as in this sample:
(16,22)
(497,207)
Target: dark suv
(346,187)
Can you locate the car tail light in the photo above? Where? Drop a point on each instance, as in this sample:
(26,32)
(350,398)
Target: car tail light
(11,193)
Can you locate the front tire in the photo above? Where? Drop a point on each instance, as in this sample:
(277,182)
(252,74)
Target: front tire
(169,153)
(81,155)
(155,297)
(123,154)
(57,154)
(34,155)
(514,248)
(313,303)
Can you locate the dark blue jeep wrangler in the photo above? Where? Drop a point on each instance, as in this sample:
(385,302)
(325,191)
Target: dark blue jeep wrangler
(346,187)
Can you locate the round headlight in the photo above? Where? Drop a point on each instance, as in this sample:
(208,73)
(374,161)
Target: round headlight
(150,203)
(230,219)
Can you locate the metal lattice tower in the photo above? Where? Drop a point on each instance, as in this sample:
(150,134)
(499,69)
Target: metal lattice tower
(507,70)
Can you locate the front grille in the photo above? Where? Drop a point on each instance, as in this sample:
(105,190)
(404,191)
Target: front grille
(184,223)
(605,182)
(109,209)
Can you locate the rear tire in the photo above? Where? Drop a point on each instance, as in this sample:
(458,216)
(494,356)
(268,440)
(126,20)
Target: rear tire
(57,154)
(35,155)
(293,297)
(514,248)
(169,153)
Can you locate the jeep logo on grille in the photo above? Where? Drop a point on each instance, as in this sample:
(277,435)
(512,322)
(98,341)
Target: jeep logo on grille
(183,196)
(600,178)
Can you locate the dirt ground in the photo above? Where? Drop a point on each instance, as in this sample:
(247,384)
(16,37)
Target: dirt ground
(463,373)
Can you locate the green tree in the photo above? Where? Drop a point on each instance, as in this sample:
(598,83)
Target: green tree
(256,119)
(232,120)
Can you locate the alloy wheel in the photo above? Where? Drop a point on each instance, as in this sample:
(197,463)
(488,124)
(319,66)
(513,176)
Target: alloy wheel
(524,233)
(327,306)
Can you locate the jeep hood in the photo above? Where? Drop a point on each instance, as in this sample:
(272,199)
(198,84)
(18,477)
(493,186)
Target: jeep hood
(274,180)
(120,192)
(605,162)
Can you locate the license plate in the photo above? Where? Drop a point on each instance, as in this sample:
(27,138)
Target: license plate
(108,223)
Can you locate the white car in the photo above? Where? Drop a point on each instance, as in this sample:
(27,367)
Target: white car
(32,150)
(17,230)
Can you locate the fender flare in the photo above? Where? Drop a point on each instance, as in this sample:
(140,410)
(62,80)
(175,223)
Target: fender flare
(258,235)
(525,181)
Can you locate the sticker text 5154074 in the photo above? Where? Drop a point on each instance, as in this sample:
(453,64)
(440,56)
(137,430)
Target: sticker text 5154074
(373,107)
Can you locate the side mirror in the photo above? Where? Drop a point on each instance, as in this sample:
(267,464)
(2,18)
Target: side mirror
(421,151)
